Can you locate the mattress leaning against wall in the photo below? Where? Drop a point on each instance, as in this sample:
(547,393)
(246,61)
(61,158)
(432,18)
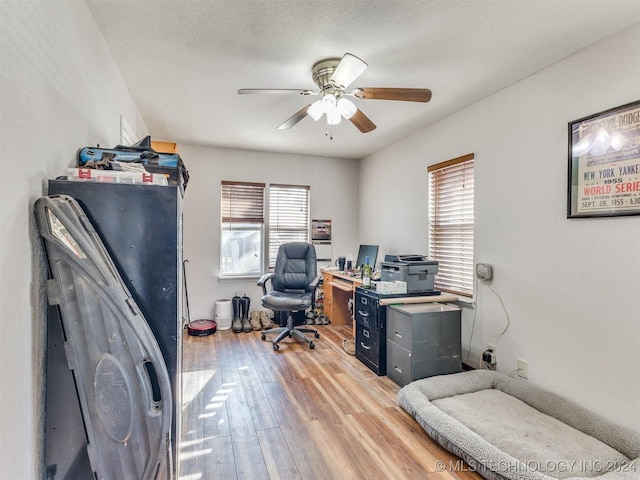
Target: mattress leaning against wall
(121,379)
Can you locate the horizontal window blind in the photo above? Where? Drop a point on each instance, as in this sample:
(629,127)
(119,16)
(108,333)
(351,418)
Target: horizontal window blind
(288,217)
(451,223)
(242,228)
(242,202)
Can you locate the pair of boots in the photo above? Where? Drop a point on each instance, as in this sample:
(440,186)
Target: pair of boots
(260,319)
(241,314)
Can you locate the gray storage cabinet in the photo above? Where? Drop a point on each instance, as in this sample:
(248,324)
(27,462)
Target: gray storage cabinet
(423,340)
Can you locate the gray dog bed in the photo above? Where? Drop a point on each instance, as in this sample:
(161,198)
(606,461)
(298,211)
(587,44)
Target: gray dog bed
(506,428)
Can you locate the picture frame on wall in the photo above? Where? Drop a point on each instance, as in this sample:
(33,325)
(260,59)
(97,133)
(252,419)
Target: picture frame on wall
(321,229)
(604,163)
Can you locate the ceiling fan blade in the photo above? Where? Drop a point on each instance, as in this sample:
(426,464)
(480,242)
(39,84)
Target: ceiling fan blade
(295,118)
(402,94)
(362,122)
(349,68)
(245,91)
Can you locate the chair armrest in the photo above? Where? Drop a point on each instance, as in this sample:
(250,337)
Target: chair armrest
(314,284)
(263,280)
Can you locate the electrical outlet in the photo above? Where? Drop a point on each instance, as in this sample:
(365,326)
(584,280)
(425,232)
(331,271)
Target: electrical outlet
(494,348)
(523,368)
(489,355)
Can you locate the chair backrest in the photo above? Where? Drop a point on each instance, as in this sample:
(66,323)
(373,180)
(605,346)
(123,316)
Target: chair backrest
(295,268)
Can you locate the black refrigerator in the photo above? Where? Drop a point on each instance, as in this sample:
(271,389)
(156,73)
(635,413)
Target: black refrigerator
(141,228)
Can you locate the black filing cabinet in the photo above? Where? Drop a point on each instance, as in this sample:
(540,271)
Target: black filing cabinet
(370,331)
(423,340)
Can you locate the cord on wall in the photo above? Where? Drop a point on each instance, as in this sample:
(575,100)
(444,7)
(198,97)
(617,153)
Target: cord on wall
(476,298)
(497,337)
(473,324)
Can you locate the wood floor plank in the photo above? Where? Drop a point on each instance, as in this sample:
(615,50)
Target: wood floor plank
(219,460)
(338,459)
(344,453)
(311,464)
(280,463)
(335,396)
(262,414)
(249,461)
(380,440)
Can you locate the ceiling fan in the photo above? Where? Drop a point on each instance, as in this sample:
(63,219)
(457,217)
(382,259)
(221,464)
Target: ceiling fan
(333,76)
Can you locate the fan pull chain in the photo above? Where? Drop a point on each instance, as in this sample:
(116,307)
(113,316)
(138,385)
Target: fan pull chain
(329,133)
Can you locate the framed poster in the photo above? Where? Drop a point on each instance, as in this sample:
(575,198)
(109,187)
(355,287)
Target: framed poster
(604,163)
(320,229)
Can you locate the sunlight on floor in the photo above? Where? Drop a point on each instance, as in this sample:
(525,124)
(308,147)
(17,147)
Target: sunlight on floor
(193,443)
(193,383)
(193,476)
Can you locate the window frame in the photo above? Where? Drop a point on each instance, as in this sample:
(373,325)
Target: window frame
(242,209)
(265,217)
(451,201)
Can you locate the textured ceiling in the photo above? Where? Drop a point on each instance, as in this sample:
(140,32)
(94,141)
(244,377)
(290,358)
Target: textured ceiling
(184,61)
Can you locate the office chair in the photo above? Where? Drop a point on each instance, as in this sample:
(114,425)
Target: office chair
(293,284)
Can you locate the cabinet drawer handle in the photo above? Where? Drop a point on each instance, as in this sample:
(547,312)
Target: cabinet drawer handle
(363,314)
(399,370)
(399,335)
(364,346)
(365,333)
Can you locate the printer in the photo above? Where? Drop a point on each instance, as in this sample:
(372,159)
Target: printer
(416,270)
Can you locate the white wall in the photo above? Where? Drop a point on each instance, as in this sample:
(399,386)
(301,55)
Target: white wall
(571,287)
(59,90)
(334,196)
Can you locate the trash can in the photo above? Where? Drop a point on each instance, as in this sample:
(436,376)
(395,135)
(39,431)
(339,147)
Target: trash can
(223,313)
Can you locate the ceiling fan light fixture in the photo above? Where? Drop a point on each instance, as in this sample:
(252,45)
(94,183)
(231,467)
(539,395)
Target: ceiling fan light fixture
(334,117)
(316,110)
(347,108)
(329,103)
(349,68)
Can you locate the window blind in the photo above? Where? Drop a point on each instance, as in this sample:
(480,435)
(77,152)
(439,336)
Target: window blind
(242,202)
(288,216)
(451,223)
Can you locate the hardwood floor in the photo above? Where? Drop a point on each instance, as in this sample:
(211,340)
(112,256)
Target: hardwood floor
(251,413)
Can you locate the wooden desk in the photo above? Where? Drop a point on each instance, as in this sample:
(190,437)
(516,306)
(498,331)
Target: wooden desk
(337,289)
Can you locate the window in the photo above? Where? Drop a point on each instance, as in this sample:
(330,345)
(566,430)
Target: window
(242,238)
(288,217)
(242,229)
(451,224)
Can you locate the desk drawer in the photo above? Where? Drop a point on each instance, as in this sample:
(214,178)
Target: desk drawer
(399,329)
(367,345)
(365,319)
(398,364)
(370,347)
(370,351)
(366,306)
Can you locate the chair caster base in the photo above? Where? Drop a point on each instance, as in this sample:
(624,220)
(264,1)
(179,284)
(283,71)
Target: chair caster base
(317,335)
(276,347)
(312,346)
